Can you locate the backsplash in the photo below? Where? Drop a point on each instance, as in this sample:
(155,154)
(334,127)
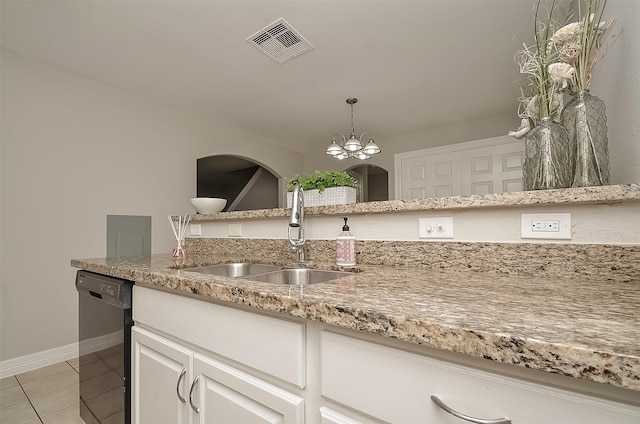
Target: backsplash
(605,240)
(585,261)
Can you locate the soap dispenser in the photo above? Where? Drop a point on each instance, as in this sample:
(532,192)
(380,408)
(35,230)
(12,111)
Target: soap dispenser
(345,247)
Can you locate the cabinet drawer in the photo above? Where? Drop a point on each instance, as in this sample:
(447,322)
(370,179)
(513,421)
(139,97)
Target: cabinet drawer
(274,346)
(396,386)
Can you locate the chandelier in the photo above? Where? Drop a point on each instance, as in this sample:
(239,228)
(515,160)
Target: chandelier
(352,147)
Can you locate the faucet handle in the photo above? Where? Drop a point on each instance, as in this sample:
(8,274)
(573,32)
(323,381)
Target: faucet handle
(299,239)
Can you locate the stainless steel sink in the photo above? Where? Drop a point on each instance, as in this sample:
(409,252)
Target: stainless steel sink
(298,276)
(234,269)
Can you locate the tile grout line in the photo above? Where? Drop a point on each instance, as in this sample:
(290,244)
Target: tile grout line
(20,384)
(29,400)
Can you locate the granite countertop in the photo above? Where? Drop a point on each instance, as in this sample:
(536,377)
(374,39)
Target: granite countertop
(579,195)
(576,328)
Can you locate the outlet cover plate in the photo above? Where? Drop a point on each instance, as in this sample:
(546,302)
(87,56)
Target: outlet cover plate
(436,228)
(545,226)
(195,229)
(234,230)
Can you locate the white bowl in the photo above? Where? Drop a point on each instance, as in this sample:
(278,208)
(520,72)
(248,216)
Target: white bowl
(208,204)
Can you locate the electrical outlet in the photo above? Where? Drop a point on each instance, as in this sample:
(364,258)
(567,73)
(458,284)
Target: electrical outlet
(436,228)
(545,226)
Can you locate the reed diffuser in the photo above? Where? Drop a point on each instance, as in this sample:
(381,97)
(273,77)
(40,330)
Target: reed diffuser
(179,228)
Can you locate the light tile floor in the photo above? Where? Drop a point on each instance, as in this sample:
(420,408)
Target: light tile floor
(47,395)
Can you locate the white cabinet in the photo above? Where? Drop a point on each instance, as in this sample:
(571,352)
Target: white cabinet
(329,415)
(208,363)
(271,345)
(396,386)
(227,395)
(162,371)
(174,385)
(177,384)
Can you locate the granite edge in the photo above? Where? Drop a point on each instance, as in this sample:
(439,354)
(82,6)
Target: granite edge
(570,360)
(578,195)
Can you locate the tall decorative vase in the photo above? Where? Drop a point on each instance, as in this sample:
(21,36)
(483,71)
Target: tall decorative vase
(548,158)
(585,118)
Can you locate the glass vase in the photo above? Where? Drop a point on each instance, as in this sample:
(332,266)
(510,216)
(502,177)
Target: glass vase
(178,251)
(548,159)
(585,118)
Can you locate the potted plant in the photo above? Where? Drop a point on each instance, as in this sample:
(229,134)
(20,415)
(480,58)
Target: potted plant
(324,188)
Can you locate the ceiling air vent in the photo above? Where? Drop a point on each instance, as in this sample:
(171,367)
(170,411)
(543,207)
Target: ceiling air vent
(280,41)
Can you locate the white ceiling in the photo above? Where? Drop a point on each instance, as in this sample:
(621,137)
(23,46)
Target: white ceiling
(412,64)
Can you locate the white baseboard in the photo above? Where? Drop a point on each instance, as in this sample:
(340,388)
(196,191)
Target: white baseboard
(38,360)
(58,354)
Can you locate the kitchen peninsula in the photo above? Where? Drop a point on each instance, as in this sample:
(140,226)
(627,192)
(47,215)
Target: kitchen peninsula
(579,334)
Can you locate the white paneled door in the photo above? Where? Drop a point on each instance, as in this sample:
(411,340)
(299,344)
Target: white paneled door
(492,165)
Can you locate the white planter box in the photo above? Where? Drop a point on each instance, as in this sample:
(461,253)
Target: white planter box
(330,196)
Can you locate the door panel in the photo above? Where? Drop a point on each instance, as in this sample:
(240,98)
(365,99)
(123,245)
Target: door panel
(157,367)
(228,395)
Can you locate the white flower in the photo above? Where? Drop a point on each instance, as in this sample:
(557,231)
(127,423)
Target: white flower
(566,33)
(561,73)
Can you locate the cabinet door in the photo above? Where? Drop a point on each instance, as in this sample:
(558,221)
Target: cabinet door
(161,375)
(396,386)
(331,416)
(227,395)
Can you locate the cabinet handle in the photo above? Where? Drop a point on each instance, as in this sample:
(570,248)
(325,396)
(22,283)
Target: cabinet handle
(446,408)
(193,386)
(184,371)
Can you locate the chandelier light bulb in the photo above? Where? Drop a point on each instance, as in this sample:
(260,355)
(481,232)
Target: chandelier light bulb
(353,144)
(334,149)
(371,148)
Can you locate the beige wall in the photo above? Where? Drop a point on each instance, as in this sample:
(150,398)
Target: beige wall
(616,81)
(73,151)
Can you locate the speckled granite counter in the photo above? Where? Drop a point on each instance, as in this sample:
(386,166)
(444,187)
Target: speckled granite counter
(584,330)
(581,195)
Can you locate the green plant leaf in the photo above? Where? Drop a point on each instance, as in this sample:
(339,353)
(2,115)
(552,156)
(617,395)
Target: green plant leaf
(320,180)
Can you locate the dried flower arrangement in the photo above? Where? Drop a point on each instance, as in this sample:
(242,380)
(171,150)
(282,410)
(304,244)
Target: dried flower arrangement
(541,96)
(560,60)
(580,45)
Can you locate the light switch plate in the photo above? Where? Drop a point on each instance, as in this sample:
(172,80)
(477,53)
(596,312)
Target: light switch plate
(436,228)
(234,230)
(195,229)
(545,226)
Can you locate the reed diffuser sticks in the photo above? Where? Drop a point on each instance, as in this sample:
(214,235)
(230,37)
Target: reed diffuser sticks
(179,228)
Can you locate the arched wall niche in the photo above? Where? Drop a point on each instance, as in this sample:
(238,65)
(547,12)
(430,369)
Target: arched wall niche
(246,183)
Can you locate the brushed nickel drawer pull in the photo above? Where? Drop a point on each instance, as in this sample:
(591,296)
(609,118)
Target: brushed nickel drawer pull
(446,408)
(184,371)
(193,385)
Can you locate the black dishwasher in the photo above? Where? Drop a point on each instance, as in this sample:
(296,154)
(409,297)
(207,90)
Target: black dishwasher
(105,322)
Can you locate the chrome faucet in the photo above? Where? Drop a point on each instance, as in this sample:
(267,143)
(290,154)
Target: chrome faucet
(297,223)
